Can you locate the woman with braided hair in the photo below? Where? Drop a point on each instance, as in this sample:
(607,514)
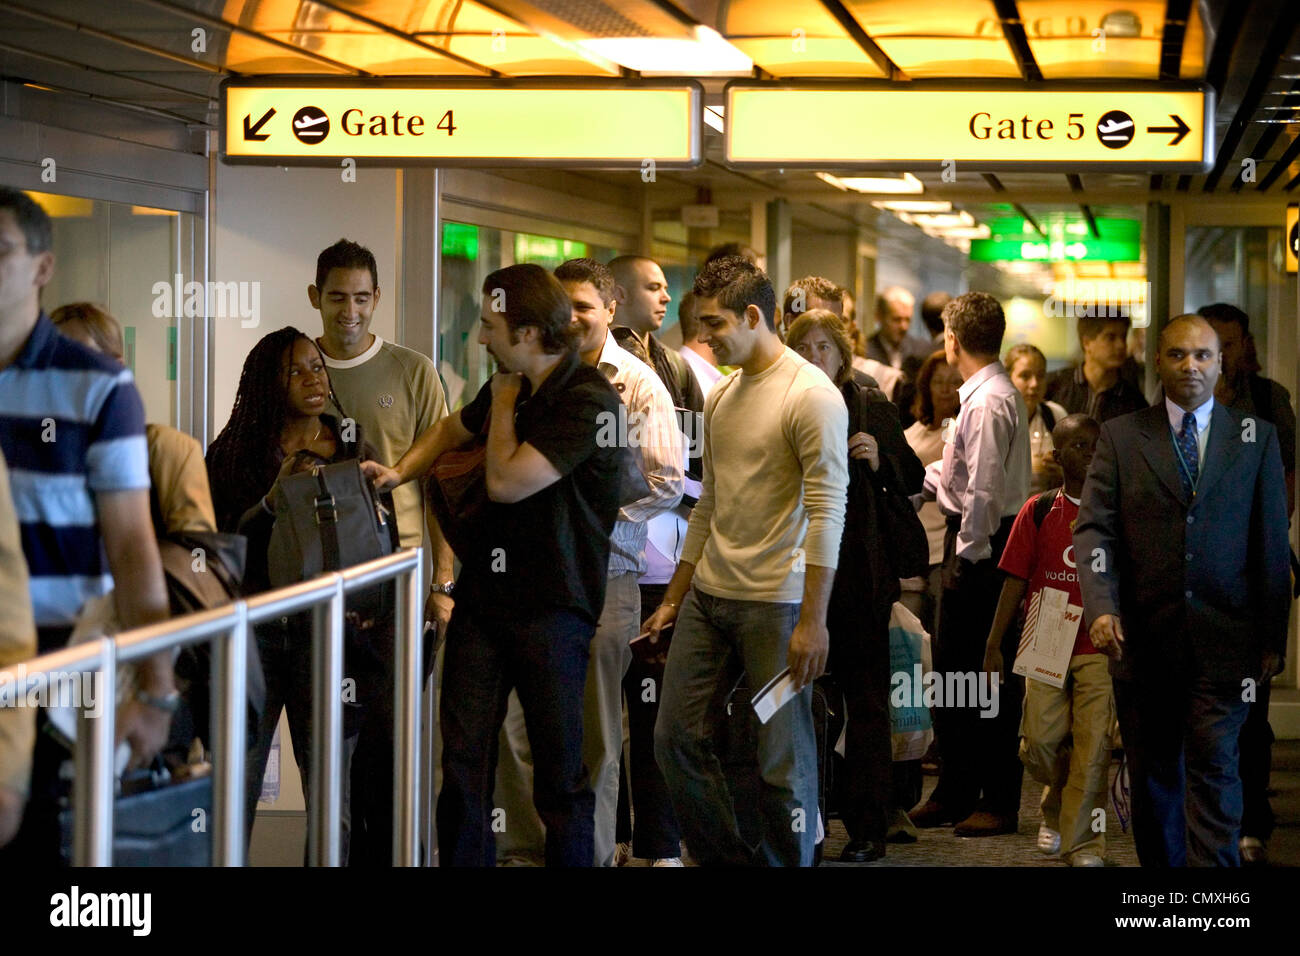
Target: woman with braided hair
(279,427)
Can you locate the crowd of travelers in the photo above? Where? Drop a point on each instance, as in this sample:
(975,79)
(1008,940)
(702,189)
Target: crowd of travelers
(655,569)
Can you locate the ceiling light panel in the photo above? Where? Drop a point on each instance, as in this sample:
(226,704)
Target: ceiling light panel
(907,184)
(1099,38)
(795,38)
(473,31)
(955,38)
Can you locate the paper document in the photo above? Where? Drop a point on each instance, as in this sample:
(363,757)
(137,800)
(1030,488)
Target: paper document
(1047,642)
(645,637)
(774,695)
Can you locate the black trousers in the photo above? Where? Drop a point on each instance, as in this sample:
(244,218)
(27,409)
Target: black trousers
(1180,737)
(981,761)
(1256,745)
(859,662)
(655,834)
(543,655)
(372,776)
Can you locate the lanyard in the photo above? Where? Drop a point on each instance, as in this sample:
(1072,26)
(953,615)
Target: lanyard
(1182,462)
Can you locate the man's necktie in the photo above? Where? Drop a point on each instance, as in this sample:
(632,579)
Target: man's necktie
(1190,454)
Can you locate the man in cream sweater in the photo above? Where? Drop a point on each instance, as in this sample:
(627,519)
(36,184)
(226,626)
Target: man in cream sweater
(755,574)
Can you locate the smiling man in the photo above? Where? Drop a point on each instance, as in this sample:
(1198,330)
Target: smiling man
(393,394)
(1182,554)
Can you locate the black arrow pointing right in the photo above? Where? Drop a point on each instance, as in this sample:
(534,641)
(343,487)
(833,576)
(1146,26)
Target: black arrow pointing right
(252,132)
(1180,130)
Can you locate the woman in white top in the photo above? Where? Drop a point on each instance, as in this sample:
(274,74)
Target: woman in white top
(1027,367)
(935,406)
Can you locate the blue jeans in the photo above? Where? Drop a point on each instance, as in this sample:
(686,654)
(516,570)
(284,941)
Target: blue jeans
(542,654)
(712,633)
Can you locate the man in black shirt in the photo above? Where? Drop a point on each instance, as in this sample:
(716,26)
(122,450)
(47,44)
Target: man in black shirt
(1095,387)
(533,560)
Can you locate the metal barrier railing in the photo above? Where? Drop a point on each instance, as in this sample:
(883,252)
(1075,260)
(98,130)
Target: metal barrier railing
(228,628)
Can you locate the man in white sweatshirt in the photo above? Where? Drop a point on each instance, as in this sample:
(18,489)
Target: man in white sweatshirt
(755,573)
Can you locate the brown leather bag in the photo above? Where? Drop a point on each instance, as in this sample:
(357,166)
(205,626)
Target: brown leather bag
(456,489)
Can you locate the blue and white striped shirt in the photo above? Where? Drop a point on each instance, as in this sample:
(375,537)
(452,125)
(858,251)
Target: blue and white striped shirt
(71,425)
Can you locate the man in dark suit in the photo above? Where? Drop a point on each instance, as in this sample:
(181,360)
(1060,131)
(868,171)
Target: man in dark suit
(891,343)
(1181,545)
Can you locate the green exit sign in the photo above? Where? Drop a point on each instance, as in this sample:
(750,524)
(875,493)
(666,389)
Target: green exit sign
(1120,240)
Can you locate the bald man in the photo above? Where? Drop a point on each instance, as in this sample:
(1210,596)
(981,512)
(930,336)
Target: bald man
(1181,547)
(890,343)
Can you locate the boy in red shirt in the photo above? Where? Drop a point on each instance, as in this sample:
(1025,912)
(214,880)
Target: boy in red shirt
(1065,731)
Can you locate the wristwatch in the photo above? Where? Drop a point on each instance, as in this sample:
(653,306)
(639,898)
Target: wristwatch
(171,703)
(445,588)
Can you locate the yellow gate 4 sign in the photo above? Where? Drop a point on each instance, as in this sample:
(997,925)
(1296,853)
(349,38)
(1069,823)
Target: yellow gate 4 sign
(993,128)
(464,122)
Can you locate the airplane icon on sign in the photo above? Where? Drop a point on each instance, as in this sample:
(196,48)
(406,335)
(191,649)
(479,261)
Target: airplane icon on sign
(303,127)
(1111,130)
(311,125)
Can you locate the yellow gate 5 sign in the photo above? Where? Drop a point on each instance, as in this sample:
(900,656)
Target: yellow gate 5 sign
(1292,237)
(994,127)
(319,122)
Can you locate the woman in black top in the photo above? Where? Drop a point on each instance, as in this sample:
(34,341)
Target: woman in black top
(279,427)
(866,582)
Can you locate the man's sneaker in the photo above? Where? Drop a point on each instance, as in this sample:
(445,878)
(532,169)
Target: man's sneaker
(1049,841)
(669,861)
(1254,852)
(623,854)
(1085,859)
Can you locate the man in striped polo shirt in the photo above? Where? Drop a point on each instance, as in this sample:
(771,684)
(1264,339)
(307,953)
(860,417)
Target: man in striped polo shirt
(72,431)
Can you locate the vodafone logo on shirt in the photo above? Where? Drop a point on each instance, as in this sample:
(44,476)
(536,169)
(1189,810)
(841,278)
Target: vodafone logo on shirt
(1071,576)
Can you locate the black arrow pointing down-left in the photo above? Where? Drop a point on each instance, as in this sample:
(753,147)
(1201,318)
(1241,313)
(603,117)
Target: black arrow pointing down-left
(252,132)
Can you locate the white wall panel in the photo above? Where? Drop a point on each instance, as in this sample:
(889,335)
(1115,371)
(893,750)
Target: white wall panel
(271,223)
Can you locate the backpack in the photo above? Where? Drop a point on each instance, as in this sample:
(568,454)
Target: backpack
(1043,504)
(204,570)
(1049,416)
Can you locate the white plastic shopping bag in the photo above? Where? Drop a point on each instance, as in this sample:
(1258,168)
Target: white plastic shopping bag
(909,661)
